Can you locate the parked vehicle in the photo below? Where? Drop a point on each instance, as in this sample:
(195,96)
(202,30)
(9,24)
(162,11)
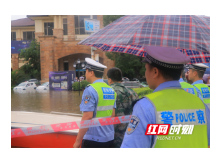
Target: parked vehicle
(131,84)
(125,79)
(135,79)
(143,85)
(44,86)
(35,81)
(25,86)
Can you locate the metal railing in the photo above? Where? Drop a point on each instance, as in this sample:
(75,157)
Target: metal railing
(60,113)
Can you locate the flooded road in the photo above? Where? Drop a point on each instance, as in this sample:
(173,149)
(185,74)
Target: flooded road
(45,101)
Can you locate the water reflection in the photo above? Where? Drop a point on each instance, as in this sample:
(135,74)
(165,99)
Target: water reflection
(46,101)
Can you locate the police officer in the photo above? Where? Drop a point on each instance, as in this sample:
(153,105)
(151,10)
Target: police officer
(186,86)
(196,72)
(167,104)
(98,100)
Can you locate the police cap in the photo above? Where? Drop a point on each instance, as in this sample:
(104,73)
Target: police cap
(94,65)
(197,66)
(165,56)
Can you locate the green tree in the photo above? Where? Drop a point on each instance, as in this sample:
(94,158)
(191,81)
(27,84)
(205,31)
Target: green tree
(107,19)
(129,64)
(18,76)
(32,55)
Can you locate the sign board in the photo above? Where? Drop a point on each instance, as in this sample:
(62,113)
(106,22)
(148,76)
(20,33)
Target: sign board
(97,57)
(16,46)
(61,80)
(91,25)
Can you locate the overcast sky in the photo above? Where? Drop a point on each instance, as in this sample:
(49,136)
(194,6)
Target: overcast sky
(14,17)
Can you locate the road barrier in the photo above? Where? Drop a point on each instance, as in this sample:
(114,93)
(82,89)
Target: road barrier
(27,131)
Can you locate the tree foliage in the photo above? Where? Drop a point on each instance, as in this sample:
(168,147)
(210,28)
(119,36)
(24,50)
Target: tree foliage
(32,55)
(83,85)
(107,19)
(141,92)
(129,64)
(18,76)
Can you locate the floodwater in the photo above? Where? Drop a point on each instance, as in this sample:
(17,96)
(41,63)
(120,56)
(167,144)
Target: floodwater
(45,101)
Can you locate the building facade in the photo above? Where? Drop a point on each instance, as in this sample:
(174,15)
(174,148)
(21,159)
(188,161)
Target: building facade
(58,36)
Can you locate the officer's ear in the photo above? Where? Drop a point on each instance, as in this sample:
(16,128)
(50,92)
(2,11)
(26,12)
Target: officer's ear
(194,72)
(109,81)
(156,72)
(92,73)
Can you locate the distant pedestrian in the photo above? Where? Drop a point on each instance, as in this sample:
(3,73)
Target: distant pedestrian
(76,79)
(81,78)
(125,97)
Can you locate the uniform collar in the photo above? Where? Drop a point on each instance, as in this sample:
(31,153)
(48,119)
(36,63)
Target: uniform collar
(198,82)
(181,80)
(99,80)
(173,83)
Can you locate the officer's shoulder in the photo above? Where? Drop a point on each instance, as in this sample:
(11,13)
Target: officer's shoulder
(140,101)
(88,88)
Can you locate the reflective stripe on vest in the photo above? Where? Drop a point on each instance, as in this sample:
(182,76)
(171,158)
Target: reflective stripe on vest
(175,106)
(106,99)
(188,88)
(205,93)
(104,107)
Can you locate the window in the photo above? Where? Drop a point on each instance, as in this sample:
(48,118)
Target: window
(13,36)
(28,35)
(48,28)
(66,66)
(65,26)
(79,24)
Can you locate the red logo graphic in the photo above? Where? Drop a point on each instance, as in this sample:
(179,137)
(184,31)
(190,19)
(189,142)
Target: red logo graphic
(157,129)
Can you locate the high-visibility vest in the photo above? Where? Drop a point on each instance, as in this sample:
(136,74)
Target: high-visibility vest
(188,88)
(175,106)
(205,93)
(106,99)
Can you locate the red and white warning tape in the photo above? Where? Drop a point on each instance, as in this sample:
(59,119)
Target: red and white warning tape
(27,131)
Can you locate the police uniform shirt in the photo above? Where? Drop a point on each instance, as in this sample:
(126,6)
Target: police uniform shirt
(181,80)
(145,114)
(100,133)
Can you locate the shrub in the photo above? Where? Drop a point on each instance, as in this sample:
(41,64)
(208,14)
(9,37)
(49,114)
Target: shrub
(142,91)
(75,86)
(18,76)
(84,83)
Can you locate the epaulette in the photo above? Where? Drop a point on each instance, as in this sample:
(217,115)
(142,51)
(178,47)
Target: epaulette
(87,86)
(134,102)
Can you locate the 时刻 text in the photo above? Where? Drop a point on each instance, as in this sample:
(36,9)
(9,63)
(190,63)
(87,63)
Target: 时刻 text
(165,129)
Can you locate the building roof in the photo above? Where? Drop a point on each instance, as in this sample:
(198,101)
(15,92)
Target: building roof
(22,22)
(36,15)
